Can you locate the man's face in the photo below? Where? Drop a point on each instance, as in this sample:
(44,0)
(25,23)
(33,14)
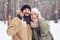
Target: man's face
(26,12)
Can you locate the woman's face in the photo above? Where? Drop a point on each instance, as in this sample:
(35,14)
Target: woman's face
(34,16)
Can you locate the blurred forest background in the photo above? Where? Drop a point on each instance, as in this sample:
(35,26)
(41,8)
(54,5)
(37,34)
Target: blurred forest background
(50,9)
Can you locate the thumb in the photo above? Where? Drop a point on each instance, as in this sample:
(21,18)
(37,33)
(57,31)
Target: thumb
(22,18)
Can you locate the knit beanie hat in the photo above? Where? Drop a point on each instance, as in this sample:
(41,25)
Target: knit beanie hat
(24,7)
(35,10)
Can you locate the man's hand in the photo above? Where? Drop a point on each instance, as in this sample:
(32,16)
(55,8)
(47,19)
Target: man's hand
(23,23)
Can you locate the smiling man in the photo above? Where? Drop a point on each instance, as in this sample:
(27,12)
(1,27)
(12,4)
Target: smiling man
(19,28)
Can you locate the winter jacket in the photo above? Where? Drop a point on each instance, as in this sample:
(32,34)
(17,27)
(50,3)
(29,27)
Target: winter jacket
(17,31)
(44,30)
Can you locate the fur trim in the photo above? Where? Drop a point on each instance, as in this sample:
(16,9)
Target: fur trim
(18,11)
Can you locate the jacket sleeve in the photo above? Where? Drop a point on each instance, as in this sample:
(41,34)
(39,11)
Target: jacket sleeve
(44,27)
(13,27)
(29,33)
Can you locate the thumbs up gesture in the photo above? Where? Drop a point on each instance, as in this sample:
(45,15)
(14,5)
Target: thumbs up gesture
(23,23)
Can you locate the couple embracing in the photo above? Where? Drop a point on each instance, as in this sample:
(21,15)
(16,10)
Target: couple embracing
(29,25)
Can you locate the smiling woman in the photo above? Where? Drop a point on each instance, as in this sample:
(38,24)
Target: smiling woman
(40,26)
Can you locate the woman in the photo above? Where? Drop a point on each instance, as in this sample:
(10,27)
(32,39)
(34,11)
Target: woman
(40,27)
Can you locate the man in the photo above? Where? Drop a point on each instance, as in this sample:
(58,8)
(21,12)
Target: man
(26,9)
(19,27)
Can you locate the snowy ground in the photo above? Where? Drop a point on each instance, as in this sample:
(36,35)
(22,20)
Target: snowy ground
(54,28)
(3,34)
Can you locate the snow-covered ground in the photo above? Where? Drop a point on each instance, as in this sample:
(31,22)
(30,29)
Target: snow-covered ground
(3,34)
(54,28)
